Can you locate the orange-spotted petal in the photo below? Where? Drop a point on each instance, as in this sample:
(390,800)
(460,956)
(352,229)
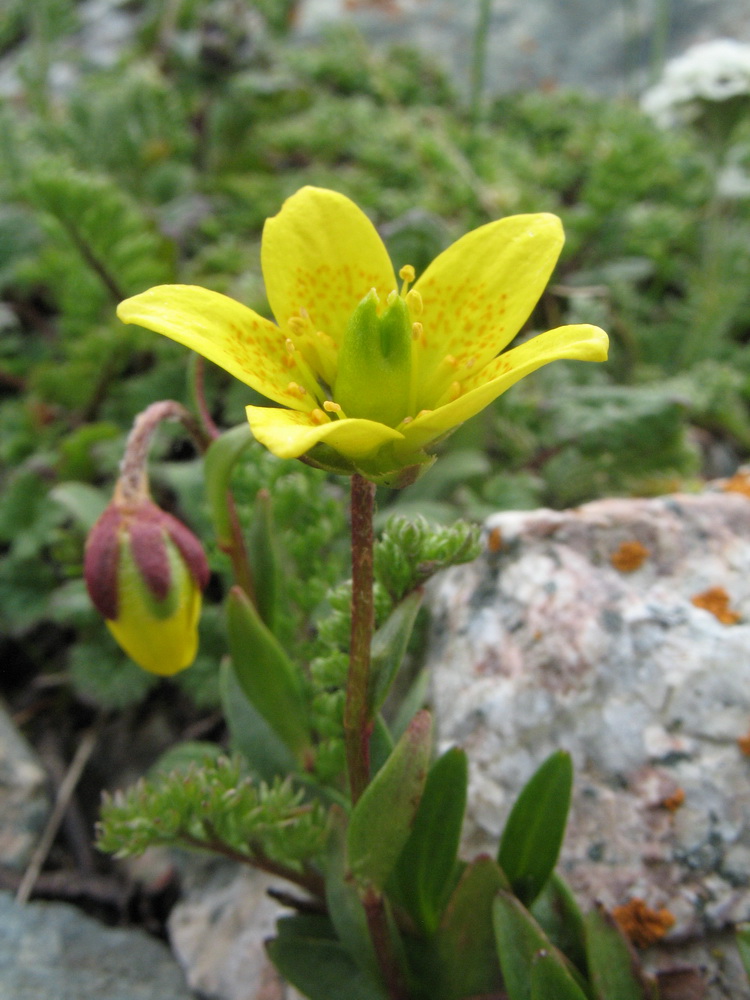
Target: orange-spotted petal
(580,342)
(478,294)
(232,336)
(320,256)
(289,433)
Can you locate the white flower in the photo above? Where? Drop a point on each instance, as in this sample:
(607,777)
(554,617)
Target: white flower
(712,71)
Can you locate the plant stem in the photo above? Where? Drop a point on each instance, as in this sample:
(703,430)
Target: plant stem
(479,62)
(377,923)
(357,723)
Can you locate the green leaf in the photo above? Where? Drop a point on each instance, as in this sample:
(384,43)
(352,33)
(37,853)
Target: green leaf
(519,939)
(743,946)
(550,980)
(423,876)
(318,966)
(614,967)
(533,834)
(263,554)
(219,461)
(465,960)
(82,502)
(381,744)
(414,699)
(267,755)
(342,898)
(557,913)
(389,647)
(265,673)
(381,820)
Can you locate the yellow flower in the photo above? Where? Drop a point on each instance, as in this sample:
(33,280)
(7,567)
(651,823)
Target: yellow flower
(369,376)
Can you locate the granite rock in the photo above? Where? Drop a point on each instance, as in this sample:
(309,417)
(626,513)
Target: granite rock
(51,951)
(218,931)
(619,631)
(609,48)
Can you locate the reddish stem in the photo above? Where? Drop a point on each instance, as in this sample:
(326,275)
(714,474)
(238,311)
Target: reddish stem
(357,722)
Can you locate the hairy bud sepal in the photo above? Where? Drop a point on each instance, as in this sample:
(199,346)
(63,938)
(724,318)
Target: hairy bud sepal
(145,572)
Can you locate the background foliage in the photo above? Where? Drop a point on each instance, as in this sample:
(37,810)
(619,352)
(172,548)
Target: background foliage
(158,160)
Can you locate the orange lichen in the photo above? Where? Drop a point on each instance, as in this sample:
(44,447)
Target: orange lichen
(642,925)
(738,483)
(743,742)
(494,540)
(716,600)
(673,802)
(629,557)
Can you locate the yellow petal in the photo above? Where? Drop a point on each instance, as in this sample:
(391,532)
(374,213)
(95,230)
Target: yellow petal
(289,433)
(478,294)
(232,336)
(581,342)
(161,645)
(322,255)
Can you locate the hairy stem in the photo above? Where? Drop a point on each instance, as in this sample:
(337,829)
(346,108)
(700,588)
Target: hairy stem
(357,722)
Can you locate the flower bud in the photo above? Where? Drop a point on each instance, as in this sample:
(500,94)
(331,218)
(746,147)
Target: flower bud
(374,370)
(145,572)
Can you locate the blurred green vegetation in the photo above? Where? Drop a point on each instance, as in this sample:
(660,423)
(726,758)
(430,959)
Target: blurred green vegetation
(159,159)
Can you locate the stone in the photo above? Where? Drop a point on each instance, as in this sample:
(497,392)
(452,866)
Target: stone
(218,932)
(52,951)
(619,631)
(608,48)
(24,796)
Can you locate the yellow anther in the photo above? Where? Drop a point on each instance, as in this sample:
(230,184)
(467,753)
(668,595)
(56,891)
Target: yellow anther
(331,407)
(289,344)
(406,420)
(450,360)
(296,390)
(297,324)
(416,330)
(414,302)
(454,390)
(318,417)
(423,413)
(407,273)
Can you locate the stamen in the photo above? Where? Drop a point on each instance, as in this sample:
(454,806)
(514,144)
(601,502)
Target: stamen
(318,417)
(416,331)
(298,324)
(407,276)
(406,420)
(454,390)
(414,302)
(332,407)
(423,413)
(294,389)
(450,360)
(289,344)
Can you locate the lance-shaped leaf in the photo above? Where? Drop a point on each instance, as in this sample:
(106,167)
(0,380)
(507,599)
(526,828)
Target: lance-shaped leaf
(550,980)
(342,898)
(389,647)
(267,755)
(557,913)
(533,834)
(519,939)
(308,955)
(262,550)
(265,673)
(743,946)
(614,968)
(218,463)
(423,876)
(465,957)
(381,820)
